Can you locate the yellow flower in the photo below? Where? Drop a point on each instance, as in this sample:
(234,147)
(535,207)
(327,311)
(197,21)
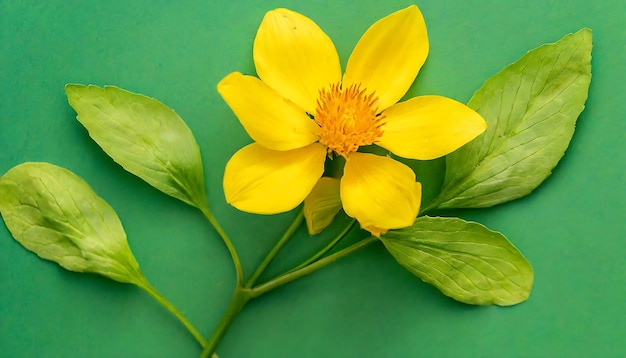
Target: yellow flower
(301,110)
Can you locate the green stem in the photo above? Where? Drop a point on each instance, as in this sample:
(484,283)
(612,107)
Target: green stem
(244,294)
(228,243)
(239,300)
(328,247)
(146,286)
(292,275)
(279,245)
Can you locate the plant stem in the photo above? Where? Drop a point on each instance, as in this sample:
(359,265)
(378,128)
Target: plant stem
(328,247)
(292,275)
(228,243)
(239,300)
(244,293)
(146,286)
(279,245)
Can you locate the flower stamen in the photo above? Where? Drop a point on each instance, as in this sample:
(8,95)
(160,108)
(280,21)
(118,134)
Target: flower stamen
(348,118)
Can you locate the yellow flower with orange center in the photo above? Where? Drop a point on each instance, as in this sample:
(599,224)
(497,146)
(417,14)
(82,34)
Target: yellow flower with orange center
(301,110)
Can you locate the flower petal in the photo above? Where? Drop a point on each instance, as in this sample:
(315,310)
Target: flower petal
(379,192)
(295,57)
(263,181)
(389,55)
(428,127)
(269,119)
(322,204)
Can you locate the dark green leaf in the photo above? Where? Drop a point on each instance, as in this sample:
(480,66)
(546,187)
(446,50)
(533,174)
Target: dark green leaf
(465,260)
(145,137)
(531,109)
(55,214)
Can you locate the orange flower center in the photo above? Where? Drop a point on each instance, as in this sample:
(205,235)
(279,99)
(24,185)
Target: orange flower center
(348,118)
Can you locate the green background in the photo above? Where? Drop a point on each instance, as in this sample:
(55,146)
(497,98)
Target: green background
(572,228)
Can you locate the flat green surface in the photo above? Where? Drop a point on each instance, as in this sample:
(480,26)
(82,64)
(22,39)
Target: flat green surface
(572,228)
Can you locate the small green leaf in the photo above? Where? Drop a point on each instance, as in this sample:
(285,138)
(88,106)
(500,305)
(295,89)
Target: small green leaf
(55,214)
(531,109)
(464,260)
(145,137)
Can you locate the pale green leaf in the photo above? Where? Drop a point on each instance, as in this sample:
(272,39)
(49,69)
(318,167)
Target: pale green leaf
(531,109)
(464,260)
(145,137)
(55,214)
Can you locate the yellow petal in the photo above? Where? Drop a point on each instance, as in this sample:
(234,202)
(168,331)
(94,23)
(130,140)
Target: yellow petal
(322,204)
(429,127)
(263,181)
(377,231)
(389,55)
(295,57)
(379,192)
(269,119)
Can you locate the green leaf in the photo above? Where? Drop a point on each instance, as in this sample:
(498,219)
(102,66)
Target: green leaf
(145,137)
(464,260)
(55,214)
(531,109)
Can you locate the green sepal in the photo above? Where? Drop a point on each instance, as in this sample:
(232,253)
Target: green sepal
(145,137)
(465,260)
(55,214)
(531,109)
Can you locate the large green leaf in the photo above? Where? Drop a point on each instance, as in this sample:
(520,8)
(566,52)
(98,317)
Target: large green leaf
(145,137)
(531,109)
(55,214)
(464,260)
